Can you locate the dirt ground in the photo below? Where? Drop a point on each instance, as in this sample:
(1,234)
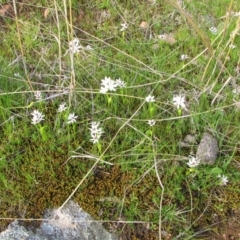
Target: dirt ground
(220,230)
(229,230)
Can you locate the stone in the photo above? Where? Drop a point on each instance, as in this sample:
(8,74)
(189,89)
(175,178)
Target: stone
(144,25)
(207,149)
(188,141)
(14,232)
(68,223)
(191,139)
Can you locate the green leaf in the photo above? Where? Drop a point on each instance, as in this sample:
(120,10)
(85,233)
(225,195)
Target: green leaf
(216,171)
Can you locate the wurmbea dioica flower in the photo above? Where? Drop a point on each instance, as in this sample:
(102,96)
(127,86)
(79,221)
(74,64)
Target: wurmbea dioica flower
(72,118)
(108,84)
(95,132)
(120,83)
(124,27)
(232,46)
(183,57)
(37,117)
(236,91)
(213,30)
(179,101)
(223,179)
(151,122)
(74,46)
(150,98)
(38,95)
(62,107)
(236,14)
(151,108)
(193,161)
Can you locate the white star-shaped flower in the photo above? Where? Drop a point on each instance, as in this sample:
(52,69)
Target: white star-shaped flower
(183,57)
(95,132)
(74,46)
(179,101)
(193,161)
(213,30)
(223,180)
(150,98)
(38,95)
(107,84)
(62,107)
(37,117)
(151,122)
(120,83)
(124,27)
(72,118)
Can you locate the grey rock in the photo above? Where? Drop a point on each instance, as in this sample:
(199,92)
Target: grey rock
(68,223)
(14,232)
(188,141)
(207,149)
(191,139)
(183,144)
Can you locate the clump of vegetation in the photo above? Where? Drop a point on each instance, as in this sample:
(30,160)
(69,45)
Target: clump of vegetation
(95,99)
